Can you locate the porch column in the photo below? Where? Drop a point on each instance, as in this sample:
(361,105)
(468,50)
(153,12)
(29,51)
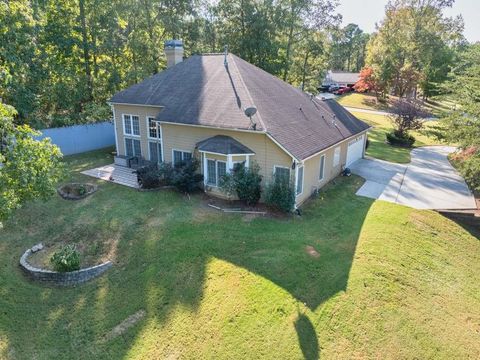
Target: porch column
(204,168)
(229,163)
(247,161)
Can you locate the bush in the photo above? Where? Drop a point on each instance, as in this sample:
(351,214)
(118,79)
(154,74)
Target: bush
(166,173)
(148,176)
(394,138)
(244,182)
(66,259)
(185,176)
(280,194)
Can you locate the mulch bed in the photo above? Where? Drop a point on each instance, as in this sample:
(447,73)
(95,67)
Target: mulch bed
(76,191)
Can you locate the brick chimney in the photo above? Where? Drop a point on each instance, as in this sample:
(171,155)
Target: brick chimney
(173,52)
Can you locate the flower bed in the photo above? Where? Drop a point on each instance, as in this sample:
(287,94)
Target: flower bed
(76,191)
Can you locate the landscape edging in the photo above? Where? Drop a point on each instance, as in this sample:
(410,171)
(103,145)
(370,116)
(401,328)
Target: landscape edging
(61,279)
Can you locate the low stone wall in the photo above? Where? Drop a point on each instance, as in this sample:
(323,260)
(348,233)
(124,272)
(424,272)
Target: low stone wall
(60,279)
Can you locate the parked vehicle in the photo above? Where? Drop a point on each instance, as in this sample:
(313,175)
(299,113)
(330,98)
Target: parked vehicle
(333,88)
(343,90)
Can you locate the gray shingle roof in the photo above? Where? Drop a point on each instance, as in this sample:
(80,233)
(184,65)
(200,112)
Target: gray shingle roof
(342,77)
(221,144)
(202,91)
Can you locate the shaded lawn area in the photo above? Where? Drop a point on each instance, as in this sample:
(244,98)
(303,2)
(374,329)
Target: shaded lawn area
(381,150)
(389,281)
(436,107)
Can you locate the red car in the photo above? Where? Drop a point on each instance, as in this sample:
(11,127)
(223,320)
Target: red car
(343,90)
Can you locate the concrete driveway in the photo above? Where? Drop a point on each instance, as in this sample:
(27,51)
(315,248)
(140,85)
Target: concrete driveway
(428,182)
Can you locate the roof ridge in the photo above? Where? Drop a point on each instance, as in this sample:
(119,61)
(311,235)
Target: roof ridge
(248,93)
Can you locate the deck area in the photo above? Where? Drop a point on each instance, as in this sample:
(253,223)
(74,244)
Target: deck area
(114,173)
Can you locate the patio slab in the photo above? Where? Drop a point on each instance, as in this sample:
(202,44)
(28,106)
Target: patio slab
(114,173)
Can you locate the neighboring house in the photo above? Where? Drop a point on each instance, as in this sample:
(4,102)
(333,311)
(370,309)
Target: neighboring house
(340,78)
(196,108)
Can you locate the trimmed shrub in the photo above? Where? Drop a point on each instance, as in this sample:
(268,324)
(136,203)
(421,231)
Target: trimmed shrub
(66,259)
(280,194)
(166,173)
(394,138)
(185,176)
(244,182)
(148,176)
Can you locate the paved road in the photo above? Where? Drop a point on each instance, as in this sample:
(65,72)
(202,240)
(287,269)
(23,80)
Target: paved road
(428,182)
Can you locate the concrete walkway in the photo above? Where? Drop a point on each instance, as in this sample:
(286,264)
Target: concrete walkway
(428,182)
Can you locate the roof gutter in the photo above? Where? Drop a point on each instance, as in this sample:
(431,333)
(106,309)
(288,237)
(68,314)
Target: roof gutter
(117,103)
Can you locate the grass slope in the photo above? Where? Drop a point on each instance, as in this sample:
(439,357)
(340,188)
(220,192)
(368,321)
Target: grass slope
(390,282)
(436,107)
(381,150)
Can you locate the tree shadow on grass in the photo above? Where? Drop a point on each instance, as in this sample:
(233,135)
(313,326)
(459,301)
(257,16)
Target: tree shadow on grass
(307,338)
(163,254)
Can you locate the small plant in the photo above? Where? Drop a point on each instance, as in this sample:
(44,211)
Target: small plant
(82,190)
(244,182)
(280,194)
(66,259)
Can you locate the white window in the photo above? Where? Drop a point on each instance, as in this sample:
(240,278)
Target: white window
(336,156)
(131,125)
(322,168)
(215,170)
(180,157)
(299,180)
(155,149)
(132,147)
(281,173)
(154,131)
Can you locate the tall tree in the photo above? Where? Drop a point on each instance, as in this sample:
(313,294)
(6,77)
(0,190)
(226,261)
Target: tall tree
(30,168)
(411,42)
(462,126)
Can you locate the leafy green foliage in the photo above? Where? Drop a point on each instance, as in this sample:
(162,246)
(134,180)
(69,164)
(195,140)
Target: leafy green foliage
(66,259)
(61,61)
(400,139)
(348,48)
(244,182)
(186,177)
(414,46)
(280,194)
(30,168)
(462,126)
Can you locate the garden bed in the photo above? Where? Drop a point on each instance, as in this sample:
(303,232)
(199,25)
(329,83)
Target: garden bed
(76,191)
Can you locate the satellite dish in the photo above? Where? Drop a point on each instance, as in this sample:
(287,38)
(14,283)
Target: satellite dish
(250,111)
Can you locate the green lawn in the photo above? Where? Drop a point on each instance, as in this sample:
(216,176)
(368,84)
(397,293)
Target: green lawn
(389,282)
(436,107)
(381,150)
(362,101)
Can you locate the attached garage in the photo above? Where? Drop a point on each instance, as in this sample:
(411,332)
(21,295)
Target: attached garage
(355,149)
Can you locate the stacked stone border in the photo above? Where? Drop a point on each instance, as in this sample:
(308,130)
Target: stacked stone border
(91,189)
(57,278)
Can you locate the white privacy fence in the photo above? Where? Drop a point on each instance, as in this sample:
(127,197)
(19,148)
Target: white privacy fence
(81,138)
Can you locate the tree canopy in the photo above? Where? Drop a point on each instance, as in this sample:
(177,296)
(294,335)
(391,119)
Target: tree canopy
(60,61)
(29,168)
(462,126)
(414,46)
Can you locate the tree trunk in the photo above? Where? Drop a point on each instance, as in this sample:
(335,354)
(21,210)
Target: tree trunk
(289,44)
(304,70)
(86,50)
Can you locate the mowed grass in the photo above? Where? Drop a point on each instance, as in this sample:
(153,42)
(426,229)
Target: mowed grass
(436,107)
(389,282)
(381,126)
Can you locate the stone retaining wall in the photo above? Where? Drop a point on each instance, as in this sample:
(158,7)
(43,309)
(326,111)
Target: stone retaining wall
(61,279)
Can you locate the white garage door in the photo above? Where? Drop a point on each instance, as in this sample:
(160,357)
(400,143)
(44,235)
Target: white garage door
(355,150)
